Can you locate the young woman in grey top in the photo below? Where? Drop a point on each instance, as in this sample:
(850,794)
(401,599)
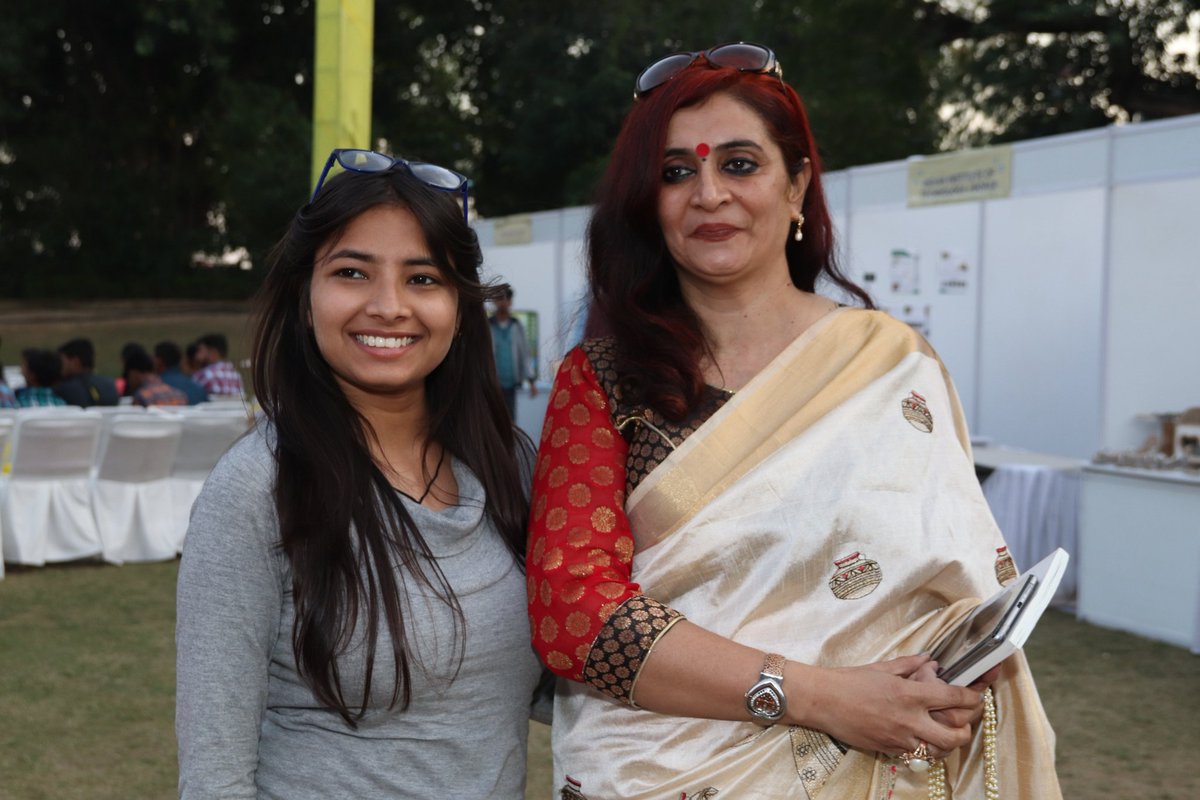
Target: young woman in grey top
(351,602)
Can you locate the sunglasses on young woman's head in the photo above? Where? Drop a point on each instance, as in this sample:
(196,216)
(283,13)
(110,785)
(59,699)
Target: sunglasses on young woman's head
(433,176)
(742,56)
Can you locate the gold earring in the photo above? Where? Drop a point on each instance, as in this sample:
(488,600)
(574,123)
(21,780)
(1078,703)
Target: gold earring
(799,234)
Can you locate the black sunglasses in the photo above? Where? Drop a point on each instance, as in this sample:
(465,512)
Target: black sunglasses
(433,176)
(742,56)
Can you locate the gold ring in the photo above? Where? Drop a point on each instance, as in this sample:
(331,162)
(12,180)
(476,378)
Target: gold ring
(917,760)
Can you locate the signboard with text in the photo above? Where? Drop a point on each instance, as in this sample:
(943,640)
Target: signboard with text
(984,174)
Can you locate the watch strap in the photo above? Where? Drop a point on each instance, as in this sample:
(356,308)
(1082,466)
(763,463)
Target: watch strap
(773,666)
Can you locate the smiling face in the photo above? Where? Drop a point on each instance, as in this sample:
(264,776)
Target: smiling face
(726,201)
(381,311)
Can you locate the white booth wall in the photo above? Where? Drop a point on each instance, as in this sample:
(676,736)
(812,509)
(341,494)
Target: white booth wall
(1081,304)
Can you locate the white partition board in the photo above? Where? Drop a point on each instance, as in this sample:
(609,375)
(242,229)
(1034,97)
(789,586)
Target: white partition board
(1154,297)
(930,236)
(1040,355)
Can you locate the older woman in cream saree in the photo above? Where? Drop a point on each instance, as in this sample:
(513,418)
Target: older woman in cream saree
(774,524)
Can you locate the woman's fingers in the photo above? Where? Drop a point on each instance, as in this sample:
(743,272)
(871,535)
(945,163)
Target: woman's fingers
(957,717)
(986,679)
(903,667)
(877,707)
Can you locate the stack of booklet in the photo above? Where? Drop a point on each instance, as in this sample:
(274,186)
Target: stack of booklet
(1000,625)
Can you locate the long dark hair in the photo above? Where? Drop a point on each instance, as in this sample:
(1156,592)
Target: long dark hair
(635,291)
(343,528)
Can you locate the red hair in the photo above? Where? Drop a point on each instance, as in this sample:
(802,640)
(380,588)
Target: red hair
(635,290)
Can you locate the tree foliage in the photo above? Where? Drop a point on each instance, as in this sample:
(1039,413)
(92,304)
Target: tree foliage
(1026,68)
(134,134)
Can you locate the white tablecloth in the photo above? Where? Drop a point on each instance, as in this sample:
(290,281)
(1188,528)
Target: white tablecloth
(1035,499)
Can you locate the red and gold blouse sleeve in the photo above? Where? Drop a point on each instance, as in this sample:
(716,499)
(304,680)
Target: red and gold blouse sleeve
(590,622)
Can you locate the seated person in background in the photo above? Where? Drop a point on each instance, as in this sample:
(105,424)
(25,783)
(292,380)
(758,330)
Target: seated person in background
(167,358)
(79,385)
(129,349)
(148,389)
(216,374)
(189,365)
(41,369)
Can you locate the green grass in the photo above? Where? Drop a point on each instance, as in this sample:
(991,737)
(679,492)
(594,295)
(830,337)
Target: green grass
(87,675)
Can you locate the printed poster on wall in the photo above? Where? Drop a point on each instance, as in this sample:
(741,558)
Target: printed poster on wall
(953,273)
(904,272)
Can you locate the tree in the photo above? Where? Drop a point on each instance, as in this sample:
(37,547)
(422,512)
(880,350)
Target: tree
(135,134)
(111,176)
(882,79)
(1017,69)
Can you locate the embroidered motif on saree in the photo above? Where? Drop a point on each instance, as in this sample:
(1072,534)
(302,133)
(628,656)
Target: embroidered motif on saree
(917,412)
(1006,569)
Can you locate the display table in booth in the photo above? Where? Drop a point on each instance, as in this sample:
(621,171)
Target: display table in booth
(1139,558)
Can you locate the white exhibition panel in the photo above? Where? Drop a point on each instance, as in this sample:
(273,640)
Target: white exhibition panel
(930,235)
(1163,150)
(1041,322)
(1060,163)
(1154,293)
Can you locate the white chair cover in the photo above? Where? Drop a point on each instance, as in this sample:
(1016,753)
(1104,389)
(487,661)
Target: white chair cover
(206,437)
(45,501)
(131,496)
(109,416)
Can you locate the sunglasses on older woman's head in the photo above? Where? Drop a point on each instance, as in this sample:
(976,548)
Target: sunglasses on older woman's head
(742,56)
(433,176)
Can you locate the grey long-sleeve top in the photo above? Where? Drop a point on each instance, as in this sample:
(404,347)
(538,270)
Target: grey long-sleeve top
(249,726)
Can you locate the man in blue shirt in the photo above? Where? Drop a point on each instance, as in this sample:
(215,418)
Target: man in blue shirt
(511,350)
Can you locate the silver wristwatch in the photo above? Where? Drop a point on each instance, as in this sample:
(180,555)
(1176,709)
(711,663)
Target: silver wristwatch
(766,701)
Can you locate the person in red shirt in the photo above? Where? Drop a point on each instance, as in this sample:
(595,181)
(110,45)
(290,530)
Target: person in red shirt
(753,507)
(147,388)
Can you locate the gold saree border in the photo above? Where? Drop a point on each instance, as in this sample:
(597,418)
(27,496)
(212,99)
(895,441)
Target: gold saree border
(837,357)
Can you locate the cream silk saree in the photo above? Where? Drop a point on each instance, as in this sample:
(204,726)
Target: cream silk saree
(829,512)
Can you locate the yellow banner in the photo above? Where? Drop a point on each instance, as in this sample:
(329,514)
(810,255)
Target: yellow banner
(342,77)
(517,229)
(984,174)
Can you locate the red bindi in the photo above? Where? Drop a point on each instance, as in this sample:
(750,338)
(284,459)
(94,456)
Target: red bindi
(702,150)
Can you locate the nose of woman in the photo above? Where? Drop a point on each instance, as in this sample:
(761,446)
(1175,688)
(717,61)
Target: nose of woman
(389,300)
(709,188)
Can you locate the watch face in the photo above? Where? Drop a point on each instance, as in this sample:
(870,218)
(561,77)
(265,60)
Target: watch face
(765,701)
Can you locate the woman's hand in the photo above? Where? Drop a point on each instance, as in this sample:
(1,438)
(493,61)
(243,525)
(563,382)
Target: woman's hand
(888,706)
(957,717)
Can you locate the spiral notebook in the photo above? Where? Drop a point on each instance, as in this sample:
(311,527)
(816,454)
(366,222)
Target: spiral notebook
(1000,625)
